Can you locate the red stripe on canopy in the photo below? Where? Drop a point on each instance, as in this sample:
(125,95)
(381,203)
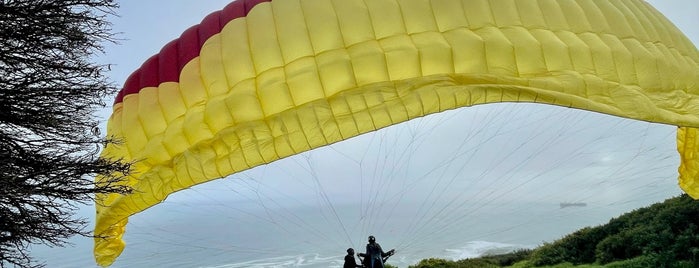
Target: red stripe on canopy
(168,63)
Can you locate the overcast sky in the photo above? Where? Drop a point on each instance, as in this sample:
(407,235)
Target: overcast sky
(520,149)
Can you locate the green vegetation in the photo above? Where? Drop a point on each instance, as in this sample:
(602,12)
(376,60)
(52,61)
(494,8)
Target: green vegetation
(502,260)
(662,235)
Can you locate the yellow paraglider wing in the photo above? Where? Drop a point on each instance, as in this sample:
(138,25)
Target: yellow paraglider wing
(259,81)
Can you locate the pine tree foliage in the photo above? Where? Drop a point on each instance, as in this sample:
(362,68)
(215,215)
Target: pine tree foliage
(50,91)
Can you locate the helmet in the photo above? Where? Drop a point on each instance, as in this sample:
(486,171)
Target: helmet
(372,238)
(350,251)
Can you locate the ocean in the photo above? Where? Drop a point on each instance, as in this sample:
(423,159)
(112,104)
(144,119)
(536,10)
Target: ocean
(190,238)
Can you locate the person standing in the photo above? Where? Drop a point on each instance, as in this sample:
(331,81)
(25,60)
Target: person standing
(350,262)
(375,256)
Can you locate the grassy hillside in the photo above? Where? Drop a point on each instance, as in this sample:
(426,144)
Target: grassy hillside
(662,235)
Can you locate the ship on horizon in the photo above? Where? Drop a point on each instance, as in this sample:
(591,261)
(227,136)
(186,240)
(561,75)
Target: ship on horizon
(576,204)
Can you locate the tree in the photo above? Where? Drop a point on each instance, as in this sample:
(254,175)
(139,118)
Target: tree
(49,94)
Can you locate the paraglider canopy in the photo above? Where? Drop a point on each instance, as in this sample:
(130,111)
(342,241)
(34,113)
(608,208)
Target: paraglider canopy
(262,80)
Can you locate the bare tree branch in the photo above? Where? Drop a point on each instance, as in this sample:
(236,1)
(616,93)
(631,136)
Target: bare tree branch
(49,93)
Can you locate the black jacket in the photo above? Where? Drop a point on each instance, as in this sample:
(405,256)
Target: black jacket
(350,262)
(374,251)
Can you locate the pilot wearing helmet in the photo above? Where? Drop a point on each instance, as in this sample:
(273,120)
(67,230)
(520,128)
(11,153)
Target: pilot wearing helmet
(375,256)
